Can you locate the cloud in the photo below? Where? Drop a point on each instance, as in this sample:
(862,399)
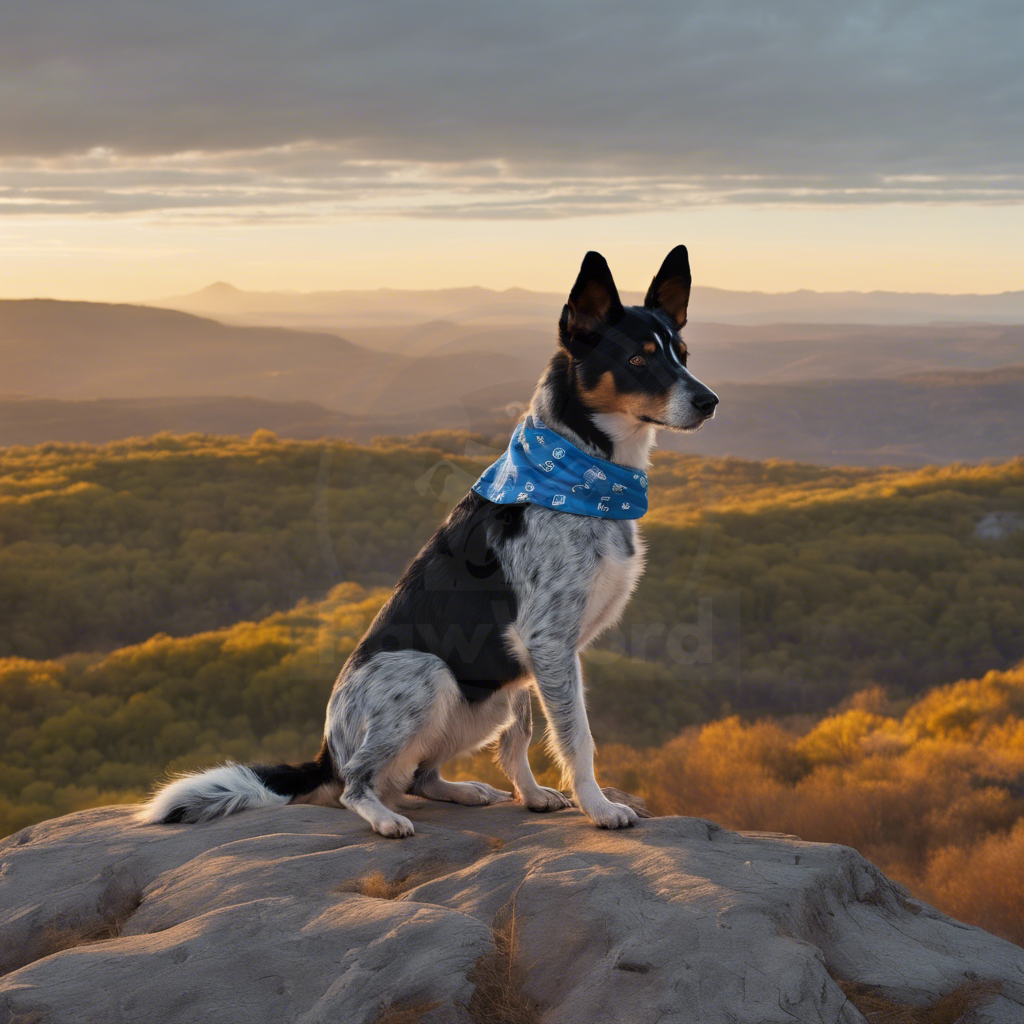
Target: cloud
(309,181)
(528,109)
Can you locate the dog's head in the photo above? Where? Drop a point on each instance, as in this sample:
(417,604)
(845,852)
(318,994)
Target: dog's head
(629,362)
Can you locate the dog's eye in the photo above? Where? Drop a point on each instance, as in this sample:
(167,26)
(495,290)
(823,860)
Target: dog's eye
(638,361)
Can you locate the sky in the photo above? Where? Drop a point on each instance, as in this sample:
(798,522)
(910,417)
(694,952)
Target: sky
(148,149)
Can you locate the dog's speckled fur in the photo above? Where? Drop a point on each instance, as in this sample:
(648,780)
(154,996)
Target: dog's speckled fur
(500,602)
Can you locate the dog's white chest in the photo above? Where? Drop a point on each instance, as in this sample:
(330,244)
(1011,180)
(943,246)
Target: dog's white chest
(612,587)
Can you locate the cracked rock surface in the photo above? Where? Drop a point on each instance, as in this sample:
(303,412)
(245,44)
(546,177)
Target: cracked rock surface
(302,914)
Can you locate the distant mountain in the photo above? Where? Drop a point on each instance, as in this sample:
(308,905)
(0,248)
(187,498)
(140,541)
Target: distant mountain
(368,308)
(78,350)
(913,420)
(98,350)
(340,310)
(805,352)
(808,307)
(937,417)
(827,393)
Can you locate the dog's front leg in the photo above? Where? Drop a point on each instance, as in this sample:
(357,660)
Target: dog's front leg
(514,758)
(560,687)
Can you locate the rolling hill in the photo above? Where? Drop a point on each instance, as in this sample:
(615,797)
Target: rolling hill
(97,350)
(75,371)
(910,421)
(84,350)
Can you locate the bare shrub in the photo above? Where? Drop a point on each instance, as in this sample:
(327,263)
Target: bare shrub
(406,1012)
(499,977)
(378,886)
(955,1007)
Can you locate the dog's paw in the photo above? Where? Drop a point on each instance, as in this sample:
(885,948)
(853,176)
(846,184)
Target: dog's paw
(544,799)
(609,815)
(396,826)
(479,793)
(471,794)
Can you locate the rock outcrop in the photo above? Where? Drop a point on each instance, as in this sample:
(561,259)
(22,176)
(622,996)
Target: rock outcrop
(487,914)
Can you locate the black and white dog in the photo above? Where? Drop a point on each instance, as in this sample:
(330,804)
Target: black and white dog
(500,601)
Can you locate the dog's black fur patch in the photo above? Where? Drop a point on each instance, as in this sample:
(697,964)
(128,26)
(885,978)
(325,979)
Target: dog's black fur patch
(561,380)
(293,779)
(455,602)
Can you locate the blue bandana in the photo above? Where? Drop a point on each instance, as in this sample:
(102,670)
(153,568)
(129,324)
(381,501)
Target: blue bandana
(542,468)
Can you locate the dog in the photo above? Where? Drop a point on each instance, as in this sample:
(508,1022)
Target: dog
(512,586)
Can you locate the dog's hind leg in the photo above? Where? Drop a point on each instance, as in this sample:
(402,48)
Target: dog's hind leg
(383,717)
(472,726)
(513,756)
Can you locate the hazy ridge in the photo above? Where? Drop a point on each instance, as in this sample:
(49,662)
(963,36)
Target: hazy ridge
(858,394)
(489,306)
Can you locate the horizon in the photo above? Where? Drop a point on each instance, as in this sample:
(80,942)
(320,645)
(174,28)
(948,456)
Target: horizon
(224,285)
(102,260)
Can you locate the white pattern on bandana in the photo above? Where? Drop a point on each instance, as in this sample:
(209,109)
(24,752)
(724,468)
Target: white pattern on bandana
(566,481)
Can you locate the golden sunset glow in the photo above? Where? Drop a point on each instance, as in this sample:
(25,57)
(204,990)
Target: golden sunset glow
(154,149)
(901,247)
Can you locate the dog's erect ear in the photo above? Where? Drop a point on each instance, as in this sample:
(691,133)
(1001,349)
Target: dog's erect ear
(593,299)
(670,289)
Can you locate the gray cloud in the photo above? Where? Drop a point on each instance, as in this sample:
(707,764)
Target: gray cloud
(566,107)
(312,180)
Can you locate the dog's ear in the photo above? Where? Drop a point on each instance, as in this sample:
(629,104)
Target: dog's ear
(594,299)
(670,289)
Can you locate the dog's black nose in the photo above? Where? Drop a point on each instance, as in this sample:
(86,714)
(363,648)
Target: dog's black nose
(705,402)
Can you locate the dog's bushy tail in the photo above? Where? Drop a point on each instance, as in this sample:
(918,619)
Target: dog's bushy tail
(228,788)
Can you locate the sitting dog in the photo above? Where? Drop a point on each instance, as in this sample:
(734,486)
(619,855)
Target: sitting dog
(538,558)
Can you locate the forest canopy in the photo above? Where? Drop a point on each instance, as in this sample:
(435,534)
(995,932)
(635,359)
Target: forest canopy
(770,586)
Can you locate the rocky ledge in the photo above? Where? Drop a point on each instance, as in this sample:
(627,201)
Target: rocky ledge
(486,915)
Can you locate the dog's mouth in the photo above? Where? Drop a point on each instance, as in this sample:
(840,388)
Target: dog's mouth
(680,428)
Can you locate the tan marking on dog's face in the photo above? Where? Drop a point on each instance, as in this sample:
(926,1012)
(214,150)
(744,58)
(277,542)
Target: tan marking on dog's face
(644,406)
(683,351)
(604,396)
(650,348)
